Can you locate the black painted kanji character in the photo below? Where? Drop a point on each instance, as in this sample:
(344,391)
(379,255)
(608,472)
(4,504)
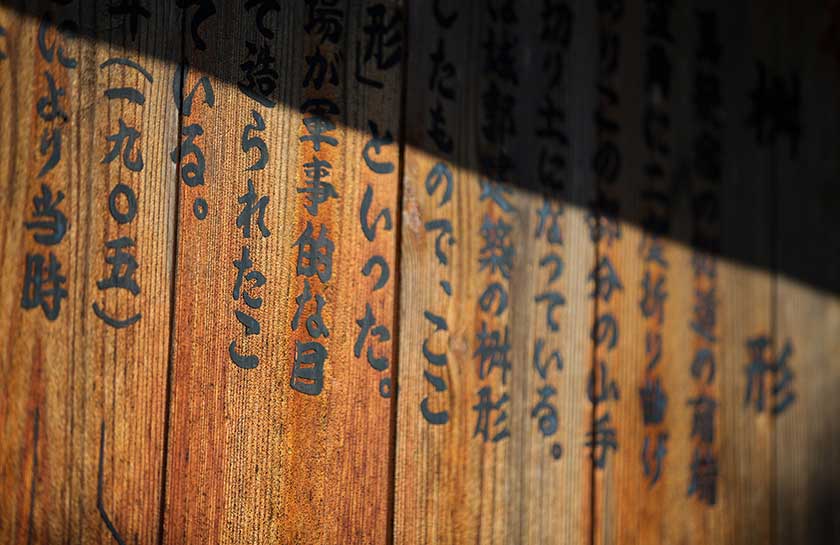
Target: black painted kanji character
(491,294)
(44,288)
(758,367)
(54,222)
(653,297)
(783,396)
(250,142)
(320,69)
(704,264)
(369,229)
(498,55)
(123,266)
(653,349)
(123,141)
(192,173)
(704,474)
(703,419)
(775,108)
(551,168)
(368,326)
(64,30)
(654,401)
(605,390)
(252,326)
(504,12)
(498,120)
(606,280)
(439,174)
(556,263)
(435,418)
(134,10)
(384,271)
(554,359)
(3,54)
(556,19)
(250,206)
(445,228)
(375,143)
(605,330)
(244,266)
(652,459)
(50,140)
(317,126)
(315,254)
(315,325)
(308,372)
(549,216)
(497,193)
(443,72)
(259,78)
(553,118)
(383,43)
(445,20)
(324,19)
(263,8)
(601,440)
(554,299)
(603,226)
(704,359)
(184,101)
(705,313)
(493,351)
(485,409)
(206,8)
(243,361)
(651,250)
(316,189)
(546,411)
(607,162)
(497,253)
(437,130)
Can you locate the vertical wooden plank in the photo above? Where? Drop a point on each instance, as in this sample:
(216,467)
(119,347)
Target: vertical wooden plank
(695,336)
(749,34)
(807,306)
(282,452)
(616,438)
(492,367)
(554,316)
(84,395)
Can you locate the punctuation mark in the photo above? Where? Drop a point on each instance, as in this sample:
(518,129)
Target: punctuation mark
(35,433)
(129,93)
(100,506)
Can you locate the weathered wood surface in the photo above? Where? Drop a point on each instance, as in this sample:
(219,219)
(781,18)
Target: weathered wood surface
(541,400)
(805,487)
(274,457)
(83,402)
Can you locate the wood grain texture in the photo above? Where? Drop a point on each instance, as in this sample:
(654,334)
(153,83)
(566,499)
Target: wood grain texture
(807,201)
(519,483)
(749,33)
(273,464)
(83,402)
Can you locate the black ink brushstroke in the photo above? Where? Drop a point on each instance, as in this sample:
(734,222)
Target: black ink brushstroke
(100,505)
